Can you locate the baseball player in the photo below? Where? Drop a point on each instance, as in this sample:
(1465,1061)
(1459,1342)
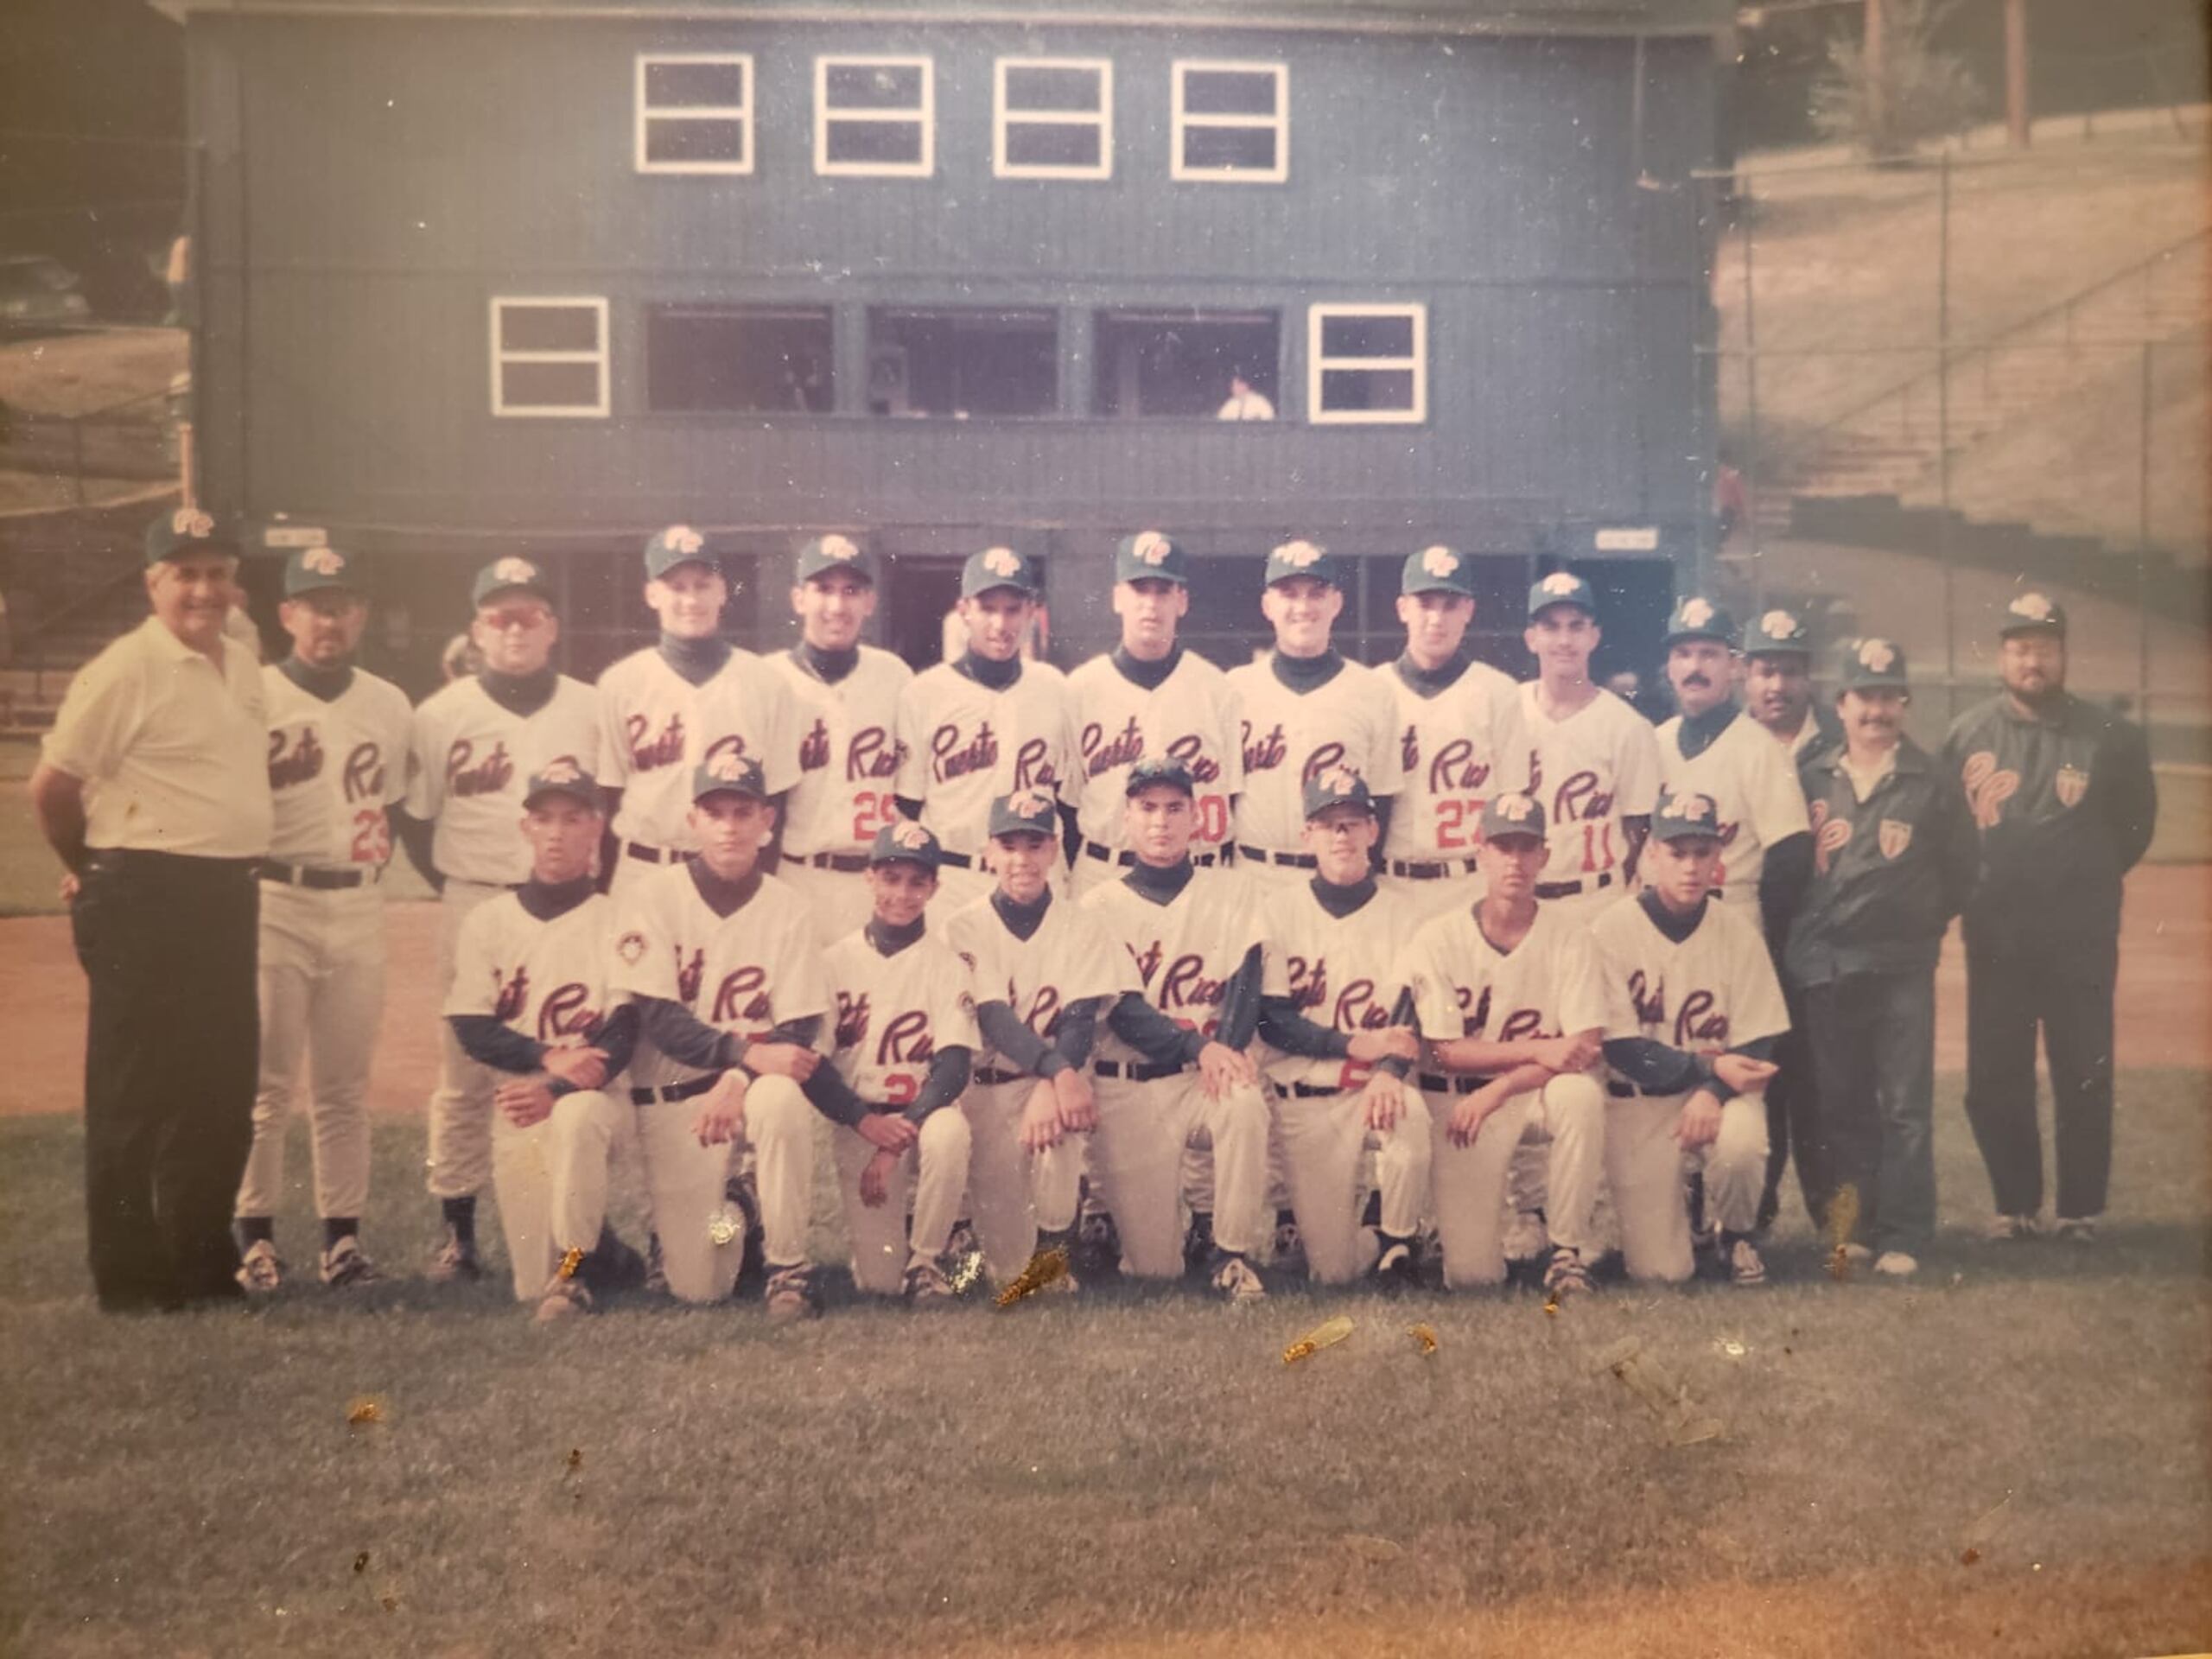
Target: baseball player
(2063,797)
(1778,687)
(1450,709)
(1340,1025)
(1149,696)
(1592,761)
(1894,859)
(1513,1011)
(476,743)
(987,726)
(902,1041)
(845,698)
(529,998)
(1696,1009)
(1173,1067)
(1043,972)
(666,709)
(337,740)
(723,961)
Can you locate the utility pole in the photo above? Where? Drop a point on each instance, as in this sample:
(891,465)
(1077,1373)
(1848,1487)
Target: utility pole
(2016,74)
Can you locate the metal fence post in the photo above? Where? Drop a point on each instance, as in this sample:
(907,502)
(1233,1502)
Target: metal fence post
(1943,431)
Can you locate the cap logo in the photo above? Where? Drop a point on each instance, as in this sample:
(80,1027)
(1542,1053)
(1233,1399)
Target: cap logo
(514,570)
(1561,581)
(1778,625)
(726,768)
(1879,654)
(1514,809)
(911,836)
(1438,561)
(561,771)
(1298,555)
(1029,803)
(682,539)
(1151,547)
(1002,562)
(1695,809)
(322,561)
(839,550)
(1696,612)
(195,522)
(1338,780)
(2035,607)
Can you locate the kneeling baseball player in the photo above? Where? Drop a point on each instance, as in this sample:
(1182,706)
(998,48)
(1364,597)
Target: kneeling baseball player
(1341,1023)
(1697,1009)
(531,999)
(1513,1009)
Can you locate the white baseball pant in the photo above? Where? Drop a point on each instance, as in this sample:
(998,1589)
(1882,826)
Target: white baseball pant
(934,1171)
(1324,1141)
(838,900)
(1136,1159)
(1567,1115)
(461,1152)
(1646,1167)
(1014,1192)
(521,1180)
(321,978)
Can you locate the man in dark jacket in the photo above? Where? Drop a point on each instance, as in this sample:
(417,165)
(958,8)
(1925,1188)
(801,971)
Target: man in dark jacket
(1893,860)
(2062,795)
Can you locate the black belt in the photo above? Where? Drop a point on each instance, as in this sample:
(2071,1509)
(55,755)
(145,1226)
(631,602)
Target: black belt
(1313,1090)
(691,1090)
(645,855)
(990,1074)
(1433,1084)
(304,875)
(1568,889)
(1296,861)
(1138,1071)
(1620,1090)
(958,860)
(1414,869)
(1127,859)
(848,863)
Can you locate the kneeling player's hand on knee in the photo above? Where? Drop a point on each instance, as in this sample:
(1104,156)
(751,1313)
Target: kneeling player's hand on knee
(1077,1106)
(722,1112)
(580,1068)
(1040,1119)
(1742,1074)
(1222,1068)
(1701,1121)
(888,1132)
(875,1178)
(782,1060)
(1385,1100)
(524,1100)
(1472,1112)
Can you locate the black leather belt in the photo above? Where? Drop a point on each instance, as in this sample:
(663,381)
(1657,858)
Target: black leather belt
(645,855)
(958,860)
(691,1090)
(305,875)
(1313,1090)
(1139,1071)
(1568,889)
(1126,860)
(991,1074)
(1433,1084)
(1261,855)
(1620,1090)
(1414,869)
(848,863)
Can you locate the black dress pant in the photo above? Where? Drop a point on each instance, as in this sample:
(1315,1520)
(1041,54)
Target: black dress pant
(171,1058)
(1793,1129)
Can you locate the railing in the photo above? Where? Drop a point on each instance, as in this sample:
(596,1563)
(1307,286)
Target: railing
(130,440)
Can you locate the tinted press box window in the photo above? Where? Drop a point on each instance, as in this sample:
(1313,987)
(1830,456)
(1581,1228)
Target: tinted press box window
(962,363)
(1165,363)
(745,358)
(696,114)
(1054,119)
(874,117)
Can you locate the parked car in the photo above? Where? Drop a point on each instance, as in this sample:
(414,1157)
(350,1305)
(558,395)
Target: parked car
(37,292)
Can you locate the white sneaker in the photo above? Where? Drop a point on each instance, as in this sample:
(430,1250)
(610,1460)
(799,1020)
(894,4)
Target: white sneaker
(1896,1264)
(1566,1275)
(1857,1254)
(1745,1269)
(1237,1284)
(2075,1229)
(259,1270)
(564,1299)
(2003,1230)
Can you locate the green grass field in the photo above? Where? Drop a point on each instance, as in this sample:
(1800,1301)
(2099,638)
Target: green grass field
(2007,1455)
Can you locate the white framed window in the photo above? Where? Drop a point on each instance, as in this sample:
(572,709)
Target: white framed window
(695,112)
(1232,123)
(549,356)
(875,118)
(1367,364)
(1052,119)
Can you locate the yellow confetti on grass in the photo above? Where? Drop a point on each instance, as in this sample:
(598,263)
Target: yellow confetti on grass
(1425,1334)
(1044,1267)
(1842,1222)
(1326,1334)
(364,1409)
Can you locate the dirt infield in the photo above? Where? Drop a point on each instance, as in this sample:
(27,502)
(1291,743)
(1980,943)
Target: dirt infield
(2165,972)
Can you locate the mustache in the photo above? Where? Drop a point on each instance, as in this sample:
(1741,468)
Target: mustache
(1697,680)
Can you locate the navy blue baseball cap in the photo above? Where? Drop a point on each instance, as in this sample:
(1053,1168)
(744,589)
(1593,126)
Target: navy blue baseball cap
(1026,811)
(832,552)
(740,774)
(1303,558)
(510,575)
(1438,570)
(1698,618)
(189,530)
(1508,815)
(678,544)
(1149,556)
(2030,611)
(1160,769)
(1873,665)
(904,841)
(1561,588)
(1779,633)
(1676,817)
(1337,786)
(997,567)
(562,777)
(313,569)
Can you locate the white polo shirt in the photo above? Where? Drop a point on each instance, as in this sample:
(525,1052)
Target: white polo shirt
(171,749)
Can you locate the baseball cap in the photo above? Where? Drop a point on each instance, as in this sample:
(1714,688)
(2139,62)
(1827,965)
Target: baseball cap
(1779,633)
(1026,811)
(1337,787)
(1438,570)
(187,530)
(315,568)
(832,552)
(1303,558)
(512,574)
(678,544)
(904,841)
(562,777)
(1508,815)
(1698,618)
(740,774)
(1149,556)
(997,567)
(2030,611)
(1561,588)
(1677,817)
(1873,665)
(1160,769)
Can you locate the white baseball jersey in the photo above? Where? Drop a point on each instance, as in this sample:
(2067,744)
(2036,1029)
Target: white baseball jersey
(893,1014)
(1182,952)
(472,760)
(1448,749)
(546,980)
(1069,959)
(848,752)
(1714,991)
(1191,714)
(746,973)
(1352,721)
(334,767)
(656,728)
(964,744)
(1548,985)
(1589,770)
(1342,971)
(1754,789)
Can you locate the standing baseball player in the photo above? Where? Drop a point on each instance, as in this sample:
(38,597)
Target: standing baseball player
(1696,1009)
(2063,797)
(1341,1026)
(530,1004)
(1778,686)
(337,740)
(690,696)
(1894,859)
(726,968)
(1512,1010)
(987,726)
(1043,971)
(1450,709)
(1172,1068)
(1149,695)
(476,744)
(845,698)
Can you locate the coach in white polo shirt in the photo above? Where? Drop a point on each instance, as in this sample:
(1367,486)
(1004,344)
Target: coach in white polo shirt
(153,790)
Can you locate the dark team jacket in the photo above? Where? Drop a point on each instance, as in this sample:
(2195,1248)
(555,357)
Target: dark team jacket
(1888,875)
(2064,808)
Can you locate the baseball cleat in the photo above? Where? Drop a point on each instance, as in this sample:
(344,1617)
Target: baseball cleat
(1289,1254)
(260,1271)
(1895,1264)
(1197,1242)
(2003,1230)
(345,1263)
(1098,1241)
(2075,1229)
(791,1296)
(1566,1275)
(456,1260)
(926,1286)
(1237,1284)
(1857,1254)
(564,1299)
(1395,1269)
(1745,1269)
(960,1244)
(656,1274)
